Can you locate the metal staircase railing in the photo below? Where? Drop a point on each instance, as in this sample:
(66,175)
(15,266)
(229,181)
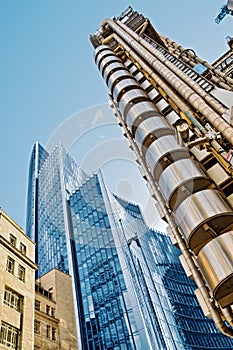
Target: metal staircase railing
(199,79)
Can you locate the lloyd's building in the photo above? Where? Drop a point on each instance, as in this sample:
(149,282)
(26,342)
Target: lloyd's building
(175,110)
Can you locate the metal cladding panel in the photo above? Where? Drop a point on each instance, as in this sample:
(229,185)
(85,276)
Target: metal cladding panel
(116,77)
(127,100)
(154,136)
(153,94)
(106,61)
(180,179)
(145,84)
(133,68)
(132,94)
(139,109)
(152,125)
(99,49)
(203,215)
(216,263)
(163,152)
(161,105)
(139,76)
(104,55)
(111,68)
(123,86)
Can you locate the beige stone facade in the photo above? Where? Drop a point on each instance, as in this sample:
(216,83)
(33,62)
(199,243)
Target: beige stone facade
(56,318)
(46,325)
(33,316)
(17,280)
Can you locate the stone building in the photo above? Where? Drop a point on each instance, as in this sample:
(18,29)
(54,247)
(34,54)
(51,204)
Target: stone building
(17,279)
(45,323)
(39,315)
(54,324)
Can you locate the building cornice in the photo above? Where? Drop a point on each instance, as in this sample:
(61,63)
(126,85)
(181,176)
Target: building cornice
(46,316)
(13,223)
(17,252)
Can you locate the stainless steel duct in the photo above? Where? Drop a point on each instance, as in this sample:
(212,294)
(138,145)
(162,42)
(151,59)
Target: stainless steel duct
(199,214)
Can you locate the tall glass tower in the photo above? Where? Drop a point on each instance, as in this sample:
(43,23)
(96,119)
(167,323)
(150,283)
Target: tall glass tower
(130,290)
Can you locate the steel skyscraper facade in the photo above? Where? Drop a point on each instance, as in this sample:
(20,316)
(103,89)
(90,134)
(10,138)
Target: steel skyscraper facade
(176,111)
(130,290)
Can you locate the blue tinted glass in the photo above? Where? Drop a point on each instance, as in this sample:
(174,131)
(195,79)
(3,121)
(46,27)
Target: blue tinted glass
(130,288)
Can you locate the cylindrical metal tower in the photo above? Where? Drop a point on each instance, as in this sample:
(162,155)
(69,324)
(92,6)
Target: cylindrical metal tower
(176,111)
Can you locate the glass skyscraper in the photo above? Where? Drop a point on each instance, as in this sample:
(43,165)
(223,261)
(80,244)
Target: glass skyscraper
(130,291)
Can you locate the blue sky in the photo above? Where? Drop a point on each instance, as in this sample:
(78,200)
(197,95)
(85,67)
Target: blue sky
(48,74)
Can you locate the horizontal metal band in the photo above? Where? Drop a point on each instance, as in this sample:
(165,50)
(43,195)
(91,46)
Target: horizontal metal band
(122,86)
(130,98)
(163,152)
(104,56)
(180,179)
(105,61)
(112,68)
(215,260)
(103,53)
(139,109)
(100,49)
(151,129)
(202,216)
(134,121)
(116,77)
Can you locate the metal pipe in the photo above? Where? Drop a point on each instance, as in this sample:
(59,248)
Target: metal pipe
(219,322)
(177,84)
(187,112)
(169,92)
(188,257)
(103,25)
(198,104)
(143,27)
(209,99)
(199,60)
